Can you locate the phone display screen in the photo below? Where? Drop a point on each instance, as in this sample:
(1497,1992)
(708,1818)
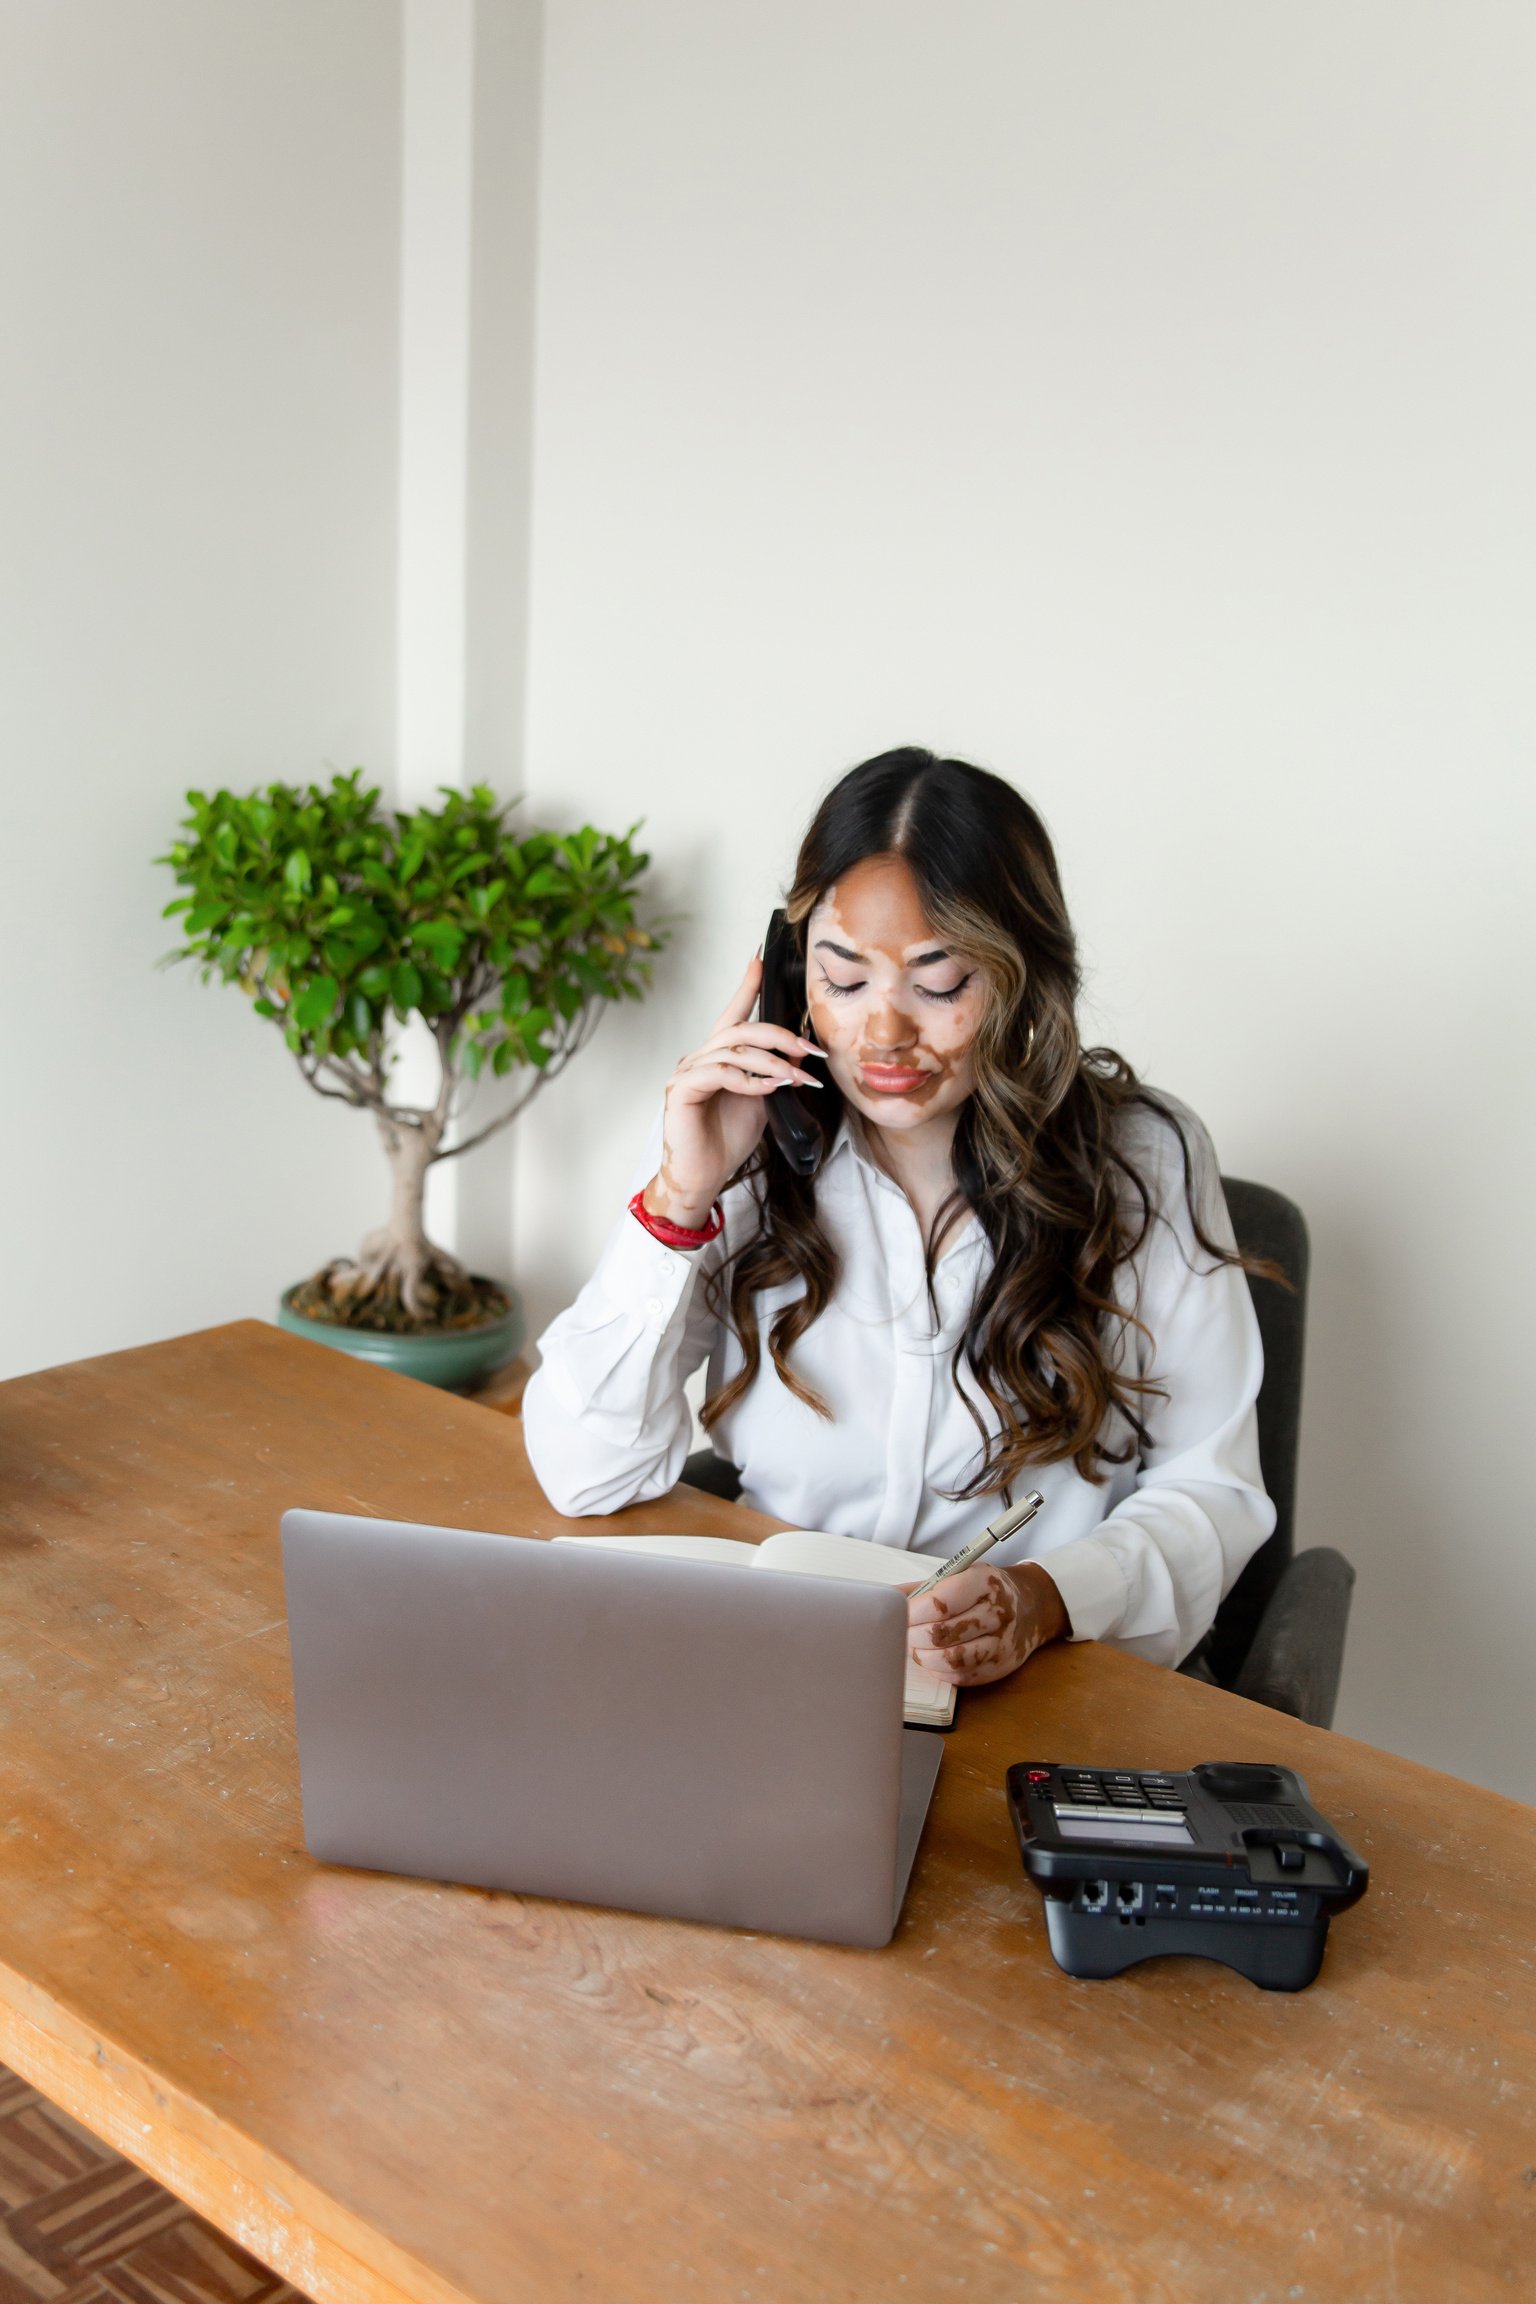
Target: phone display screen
(1171,1835)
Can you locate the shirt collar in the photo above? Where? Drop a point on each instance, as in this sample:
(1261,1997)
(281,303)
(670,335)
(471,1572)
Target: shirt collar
(851,1145)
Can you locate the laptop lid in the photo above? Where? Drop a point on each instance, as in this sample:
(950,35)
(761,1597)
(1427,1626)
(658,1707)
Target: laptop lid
(673,1737)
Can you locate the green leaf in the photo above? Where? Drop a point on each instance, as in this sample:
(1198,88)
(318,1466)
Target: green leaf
(405,987)
(297,873)
(316,1004)
(440,940)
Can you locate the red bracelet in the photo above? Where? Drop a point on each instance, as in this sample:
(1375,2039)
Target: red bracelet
(676,1235)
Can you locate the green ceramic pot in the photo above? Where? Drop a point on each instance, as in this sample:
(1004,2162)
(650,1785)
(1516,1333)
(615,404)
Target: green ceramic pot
(457,1360)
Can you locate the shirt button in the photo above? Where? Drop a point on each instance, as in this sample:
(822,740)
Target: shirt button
(654,1308)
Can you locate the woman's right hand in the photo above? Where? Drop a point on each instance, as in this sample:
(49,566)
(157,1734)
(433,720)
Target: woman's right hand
(715,1108)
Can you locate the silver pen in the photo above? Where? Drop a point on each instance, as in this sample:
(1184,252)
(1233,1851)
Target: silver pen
(1006,1524)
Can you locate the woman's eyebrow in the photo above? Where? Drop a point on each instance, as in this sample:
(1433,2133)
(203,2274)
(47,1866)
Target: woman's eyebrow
(924,959)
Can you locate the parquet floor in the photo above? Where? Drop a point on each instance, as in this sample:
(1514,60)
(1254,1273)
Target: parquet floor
(80,2226)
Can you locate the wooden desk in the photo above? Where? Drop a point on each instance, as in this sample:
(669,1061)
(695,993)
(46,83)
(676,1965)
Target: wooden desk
(392,2090)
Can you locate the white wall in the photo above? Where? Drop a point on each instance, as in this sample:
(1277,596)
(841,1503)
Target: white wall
(498,440)
(199,251)
(1138,401)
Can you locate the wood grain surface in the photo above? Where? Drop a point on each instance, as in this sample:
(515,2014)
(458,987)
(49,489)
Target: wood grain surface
(504,1389)
(385,2088)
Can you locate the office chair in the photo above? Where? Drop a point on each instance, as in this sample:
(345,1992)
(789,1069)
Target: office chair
(1278,1637)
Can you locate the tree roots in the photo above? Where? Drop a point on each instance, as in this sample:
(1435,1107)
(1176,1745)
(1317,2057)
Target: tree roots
(400,1290)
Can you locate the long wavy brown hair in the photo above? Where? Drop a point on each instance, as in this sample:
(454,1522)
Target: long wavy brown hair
(1041,1152)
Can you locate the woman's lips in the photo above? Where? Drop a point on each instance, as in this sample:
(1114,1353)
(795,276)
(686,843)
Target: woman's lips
(894,1079)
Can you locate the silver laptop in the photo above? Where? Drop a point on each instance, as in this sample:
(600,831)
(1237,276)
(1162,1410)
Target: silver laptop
(679,1737)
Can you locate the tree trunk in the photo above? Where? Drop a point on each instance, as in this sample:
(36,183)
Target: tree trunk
(398,1264)
(402,1245)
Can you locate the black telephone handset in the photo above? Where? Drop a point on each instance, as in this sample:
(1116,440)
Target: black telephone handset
(795,1128)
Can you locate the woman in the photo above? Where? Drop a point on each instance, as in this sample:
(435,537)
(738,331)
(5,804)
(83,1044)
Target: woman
(1013,1268)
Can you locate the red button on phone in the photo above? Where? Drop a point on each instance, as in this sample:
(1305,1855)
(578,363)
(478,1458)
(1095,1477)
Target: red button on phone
(1039,1775)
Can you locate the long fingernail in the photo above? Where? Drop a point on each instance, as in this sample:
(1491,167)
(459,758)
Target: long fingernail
(806,1081)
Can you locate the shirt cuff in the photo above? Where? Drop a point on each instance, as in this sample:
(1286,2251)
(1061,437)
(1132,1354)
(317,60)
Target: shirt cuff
(645,1276)
(1092,1585)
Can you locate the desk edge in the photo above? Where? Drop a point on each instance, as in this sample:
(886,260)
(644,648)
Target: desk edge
(251,2194)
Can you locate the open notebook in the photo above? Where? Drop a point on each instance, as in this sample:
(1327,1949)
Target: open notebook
(930,1703)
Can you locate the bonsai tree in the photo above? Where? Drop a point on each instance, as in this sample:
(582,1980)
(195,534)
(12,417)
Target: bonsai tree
(340,919)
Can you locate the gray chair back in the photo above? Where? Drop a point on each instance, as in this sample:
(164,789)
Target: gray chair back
(1267,1224)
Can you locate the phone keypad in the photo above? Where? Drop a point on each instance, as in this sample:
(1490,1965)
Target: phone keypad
(1148,1796)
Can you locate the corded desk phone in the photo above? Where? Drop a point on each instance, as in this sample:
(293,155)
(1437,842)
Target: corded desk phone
(1229,1861)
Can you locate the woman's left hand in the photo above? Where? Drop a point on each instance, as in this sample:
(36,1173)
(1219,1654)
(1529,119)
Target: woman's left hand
(983,1623)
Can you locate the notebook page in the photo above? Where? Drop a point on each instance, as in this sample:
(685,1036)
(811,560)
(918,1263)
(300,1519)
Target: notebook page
(812,1552)
(730,1550)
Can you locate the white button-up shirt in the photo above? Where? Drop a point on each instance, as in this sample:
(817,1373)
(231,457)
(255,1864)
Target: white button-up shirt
(1141,1558)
